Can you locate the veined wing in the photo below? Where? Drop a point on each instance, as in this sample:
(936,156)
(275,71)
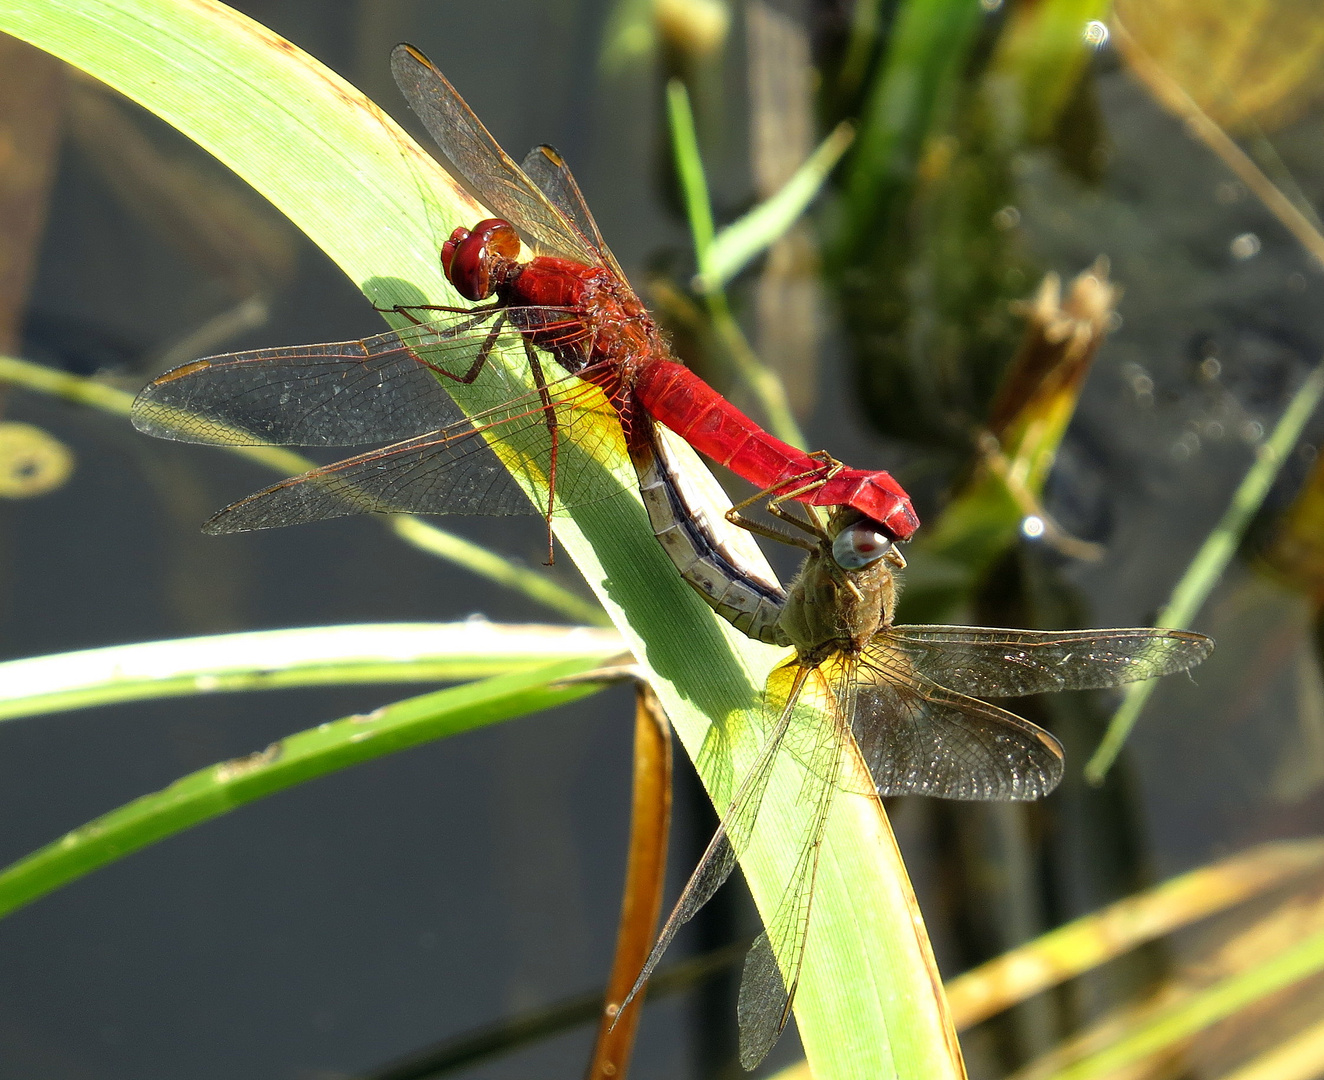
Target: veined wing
(489,170)
(349,393)
(989,662)
(548,170)
(461,469)
(732,835)
(772,968)
(919,738)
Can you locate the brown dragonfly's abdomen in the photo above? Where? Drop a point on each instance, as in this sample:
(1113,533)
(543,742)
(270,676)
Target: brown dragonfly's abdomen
(719,570)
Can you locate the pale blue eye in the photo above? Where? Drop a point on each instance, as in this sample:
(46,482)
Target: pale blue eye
(859,545)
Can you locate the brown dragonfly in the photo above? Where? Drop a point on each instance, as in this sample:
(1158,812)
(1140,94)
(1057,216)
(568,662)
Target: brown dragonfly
(909,698)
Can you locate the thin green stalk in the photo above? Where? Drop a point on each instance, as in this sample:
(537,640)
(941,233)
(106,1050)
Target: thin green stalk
(444,545)
(689,168)
(765,384)
(738,244)
(274,659)
(1211,560)
(535,584)
(297,758)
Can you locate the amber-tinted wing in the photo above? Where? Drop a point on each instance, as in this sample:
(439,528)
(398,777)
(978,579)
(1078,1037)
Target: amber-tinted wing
(348,393)
(919,738)
(765,993)
(497,181)
(821,698)
(989,662)
(461,469)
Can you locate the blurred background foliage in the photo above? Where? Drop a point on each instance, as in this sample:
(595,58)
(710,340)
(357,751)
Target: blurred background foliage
(1064,283)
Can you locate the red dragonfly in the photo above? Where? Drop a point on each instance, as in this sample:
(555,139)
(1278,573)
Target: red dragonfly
(907,696)
(571,303)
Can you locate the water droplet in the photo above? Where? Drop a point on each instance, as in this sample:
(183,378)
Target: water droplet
(1245,246)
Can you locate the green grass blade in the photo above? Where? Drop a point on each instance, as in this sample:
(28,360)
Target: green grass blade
(1211,560)
(741,242)
(412,530)
(272,659)
(765,384)
(928,48)
(376,204)
(297,758)
(689,169)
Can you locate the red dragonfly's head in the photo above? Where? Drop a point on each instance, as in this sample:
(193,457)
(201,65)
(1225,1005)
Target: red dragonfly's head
(477,260)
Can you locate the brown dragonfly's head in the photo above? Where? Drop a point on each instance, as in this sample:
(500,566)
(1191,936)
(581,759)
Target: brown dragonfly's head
(846,590)
(478,261)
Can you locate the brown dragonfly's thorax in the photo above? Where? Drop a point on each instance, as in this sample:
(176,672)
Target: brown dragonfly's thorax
(830,609)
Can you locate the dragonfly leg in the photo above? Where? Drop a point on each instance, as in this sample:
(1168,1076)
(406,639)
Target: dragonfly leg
(770,532)
(814,526)
(810,480)
(483,355)
(407,310)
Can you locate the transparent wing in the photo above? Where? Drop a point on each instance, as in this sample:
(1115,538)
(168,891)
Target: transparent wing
(348,393)
(547,169)
(489,170)
(732,835)
(567,446)
(919,738)
(772,968)
(990,662)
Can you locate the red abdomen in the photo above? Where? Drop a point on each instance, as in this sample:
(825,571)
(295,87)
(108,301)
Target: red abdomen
(678,398)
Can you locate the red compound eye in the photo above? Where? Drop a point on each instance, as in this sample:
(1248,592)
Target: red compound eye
(472,258)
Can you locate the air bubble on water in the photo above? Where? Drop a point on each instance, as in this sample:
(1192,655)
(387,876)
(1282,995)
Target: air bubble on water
(1032,526)
(1245,246)
(1095,34)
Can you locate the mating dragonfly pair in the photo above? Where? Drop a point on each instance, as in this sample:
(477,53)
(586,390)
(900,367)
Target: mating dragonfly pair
(909,696)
